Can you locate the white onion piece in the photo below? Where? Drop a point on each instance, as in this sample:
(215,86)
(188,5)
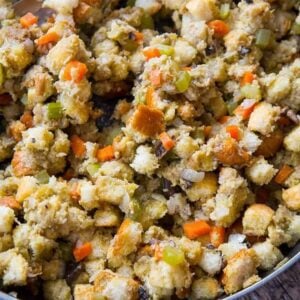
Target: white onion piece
(192,175)
(236,238)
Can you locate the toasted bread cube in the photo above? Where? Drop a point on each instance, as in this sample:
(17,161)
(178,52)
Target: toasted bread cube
(203,189)
(263,118)
(16,271)
(26,188)
(107,216)
(84,292)
(268,255)
(204,10)
(116,287)
(57,290)
(239,269)
(124,242)
(261,172)
(291,197)
(292,140)
(7,217)
(148,121)
(205,288)
(211,261)
(256,219)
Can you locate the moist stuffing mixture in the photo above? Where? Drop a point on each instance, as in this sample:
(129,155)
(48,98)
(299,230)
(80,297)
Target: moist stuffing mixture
(148,149)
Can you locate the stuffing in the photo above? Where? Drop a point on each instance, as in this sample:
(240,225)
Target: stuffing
(202,10)
(239,268)
(211,261)
(115,287)
(124,242)
(184,53)
(260,171)
(57,289)
(151,7)
(144,162)
(63,7)
(107,216)
(53,269)
(93,267)
(161,278)
(291,197)
(256,219)
(203,189)
(231,197)
(205,288)
(292,140)
(84,292)
(185,147)
(268,255)
(7,218)
(263,118)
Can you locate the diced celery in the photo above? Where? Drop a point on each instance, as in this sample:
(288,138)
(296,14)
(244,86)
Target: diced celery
(55,111)
(135,210)
(42,177)
(2,75)
(296,28)
(92,169)
(251,91)
(147,22)
(224,11)
(130,45)
(183,81)
(264,38)
(172,256)
(166,50)
(231,106)
(130,3)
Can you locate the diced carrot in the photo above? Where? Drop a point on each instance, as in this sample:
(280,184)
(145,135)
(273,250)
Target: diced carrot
(139,37)
(19,166)
(247,78)
(157,252)
(82,251)
(151,53)
(207,131)
(234,131)
(224,119)
(77,146)
(217,236)
(220,28)
(75,191)
(155,78)
(5,99)
(106,153)
(50,37)
(283,174)
(150,96)
(27,119)
(75,70)
(245,109)
(28,20)
(195,229)
(69,174)
(10,201)
(166,141)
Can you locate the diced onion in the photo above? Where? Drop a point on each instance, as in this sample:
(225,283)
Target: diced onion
(192,175)
(236,238)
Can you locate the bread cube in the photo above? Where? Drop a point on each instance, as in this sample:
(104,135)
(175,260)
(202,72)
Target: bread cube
(256,219)
(7,217)
(292,140)
(291,197)
(56,290)
(205,288)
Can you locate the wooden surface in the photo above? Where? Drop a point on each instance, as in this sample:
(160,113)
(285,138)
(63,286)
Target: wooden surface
(284,287)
